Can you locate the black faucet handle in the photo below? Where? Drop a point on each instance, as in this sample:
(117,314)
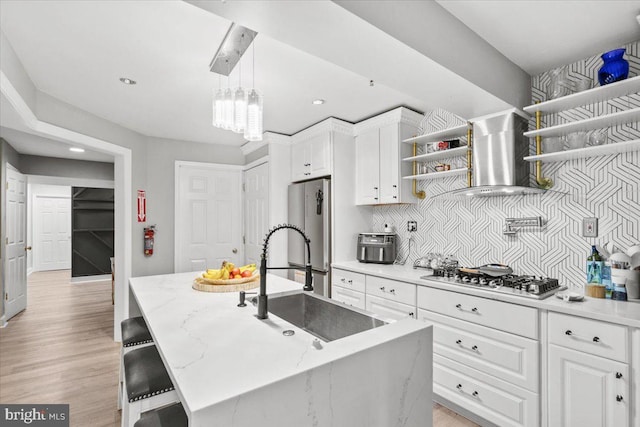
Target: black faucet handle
(243,296)
(308,278)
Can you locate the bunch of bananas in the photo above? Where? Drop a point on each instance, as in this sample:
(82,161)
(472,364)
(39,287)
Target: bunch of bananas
(229,271)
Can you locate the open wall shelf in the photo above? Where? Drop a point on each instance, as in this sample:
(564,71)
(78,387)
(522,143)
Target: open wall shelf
(600,150)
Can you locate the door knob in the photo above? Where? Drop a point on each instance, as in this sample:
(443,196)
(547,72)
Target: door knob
(234,250)
(27,248)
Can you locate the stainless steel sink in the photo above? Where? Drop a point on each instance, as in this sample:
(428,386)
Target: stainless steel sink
(320,316)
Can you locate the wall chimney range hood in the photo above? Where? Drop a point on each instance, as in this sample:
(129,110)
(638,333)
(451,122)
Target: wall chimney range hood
(499,147)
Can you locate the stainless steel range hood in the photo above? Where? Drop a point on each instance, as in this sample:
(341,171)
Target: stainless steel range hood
(499,147)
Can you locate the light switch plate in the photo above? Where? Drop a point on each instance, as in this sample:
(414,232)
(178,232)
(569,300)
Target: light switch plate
(590,227)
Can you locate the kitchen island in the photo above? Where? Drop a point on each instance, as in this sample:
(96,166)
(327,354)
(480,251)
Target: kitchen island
(231,369)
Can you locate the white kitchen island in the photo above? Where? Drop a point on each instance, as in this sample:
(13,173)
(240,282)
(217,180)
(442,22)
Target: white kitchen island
(232,369)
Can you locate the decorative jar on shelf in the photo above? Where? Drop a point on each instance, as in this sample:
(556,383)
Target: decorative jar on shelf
(615,67)
(559,84)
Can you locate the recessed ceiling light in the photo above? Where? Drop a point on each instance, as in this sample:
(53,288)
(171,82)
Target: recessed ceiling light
(127,81)
(318,101)
(77,149)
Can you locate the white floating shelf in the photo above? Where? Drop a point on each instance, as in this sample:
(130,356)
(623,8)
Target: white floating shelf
(590,96)
(434,175)
(438,155)
(442,135)
(605,121)
(579,153)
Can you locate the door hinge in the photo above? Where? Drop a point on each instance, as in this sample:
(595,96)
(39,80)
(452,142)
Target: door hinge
(243,240)
(6,296)
(6,185)
(243,187)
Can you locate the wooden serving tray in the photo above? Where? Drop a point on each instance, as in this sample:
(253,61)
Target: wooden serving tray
(230,285)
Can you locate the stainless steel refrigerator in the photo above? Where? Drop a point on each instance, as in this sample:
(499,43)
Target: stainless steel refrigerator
(310,209)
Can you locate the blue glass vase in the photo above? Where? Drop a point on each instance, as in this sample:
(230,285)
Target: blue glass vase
(615,67)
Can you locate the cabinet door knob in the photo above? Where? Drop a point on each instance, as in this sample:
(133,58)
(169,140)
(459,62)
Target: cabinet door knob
(474,348)
(596,339)
(618,375)
(459,386)
(392,291)
(619,398)
(395,197)
(395,186)
(342,280)
(411,314)
(474,394)
(568,332)
(350,281)
(458,341)
(459,306)
(474,309)
(382,288)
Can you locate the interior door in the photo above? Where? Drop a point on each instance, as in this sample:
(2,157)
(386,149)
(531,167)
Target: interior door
(256,210)
(208,216)
(52,233)
(16,244)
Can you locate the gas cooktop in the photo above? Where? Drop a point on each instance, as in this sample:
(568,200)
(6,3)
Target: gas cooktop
(499,278)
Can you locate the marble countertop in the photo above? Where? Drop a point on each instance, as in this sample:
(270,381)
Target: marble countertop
(621,312)
(214,350)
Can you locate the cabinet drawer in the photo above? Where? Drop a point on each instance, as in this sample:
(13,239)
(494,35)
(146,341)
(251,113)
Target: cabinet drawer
(506,356)
(389,309)
(347,296)
(507,317)
(348,280)
(590,336)
(402,292)
(501,403)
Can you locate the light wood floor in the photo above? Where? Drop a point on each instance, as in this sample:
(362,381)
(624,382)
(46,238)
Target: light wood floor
(61,350)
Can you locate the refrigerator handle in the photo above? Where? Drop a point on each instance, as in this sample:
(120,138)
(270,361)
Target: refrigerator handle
(319,200)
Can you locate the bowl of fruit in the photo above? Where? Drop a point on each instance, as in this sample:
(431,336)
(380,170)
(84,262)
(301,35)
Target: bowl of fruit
(228,278)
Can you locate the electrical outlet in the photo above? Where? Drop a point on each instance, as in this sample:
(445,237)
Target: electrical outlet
(412,226)
(590,227)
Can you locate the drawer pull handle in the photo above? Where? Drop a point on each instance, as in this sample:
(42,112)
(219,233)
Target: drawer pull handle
(342,280)
(459,386)
(596,339)
(459,306)
(350,281)
(619,398)
(474,348)
(458,342)
(568,332)
(474,309)
(382,288)
(411,314)
(618,375)
(474,394)
(392,291)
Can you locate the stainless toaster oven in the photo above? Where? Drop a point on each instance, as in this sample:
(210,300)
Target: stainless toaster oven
(379,248)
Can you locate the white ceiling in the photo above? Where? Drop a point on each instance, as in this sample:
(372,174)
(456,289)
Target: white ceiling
(76,52)
(539,35)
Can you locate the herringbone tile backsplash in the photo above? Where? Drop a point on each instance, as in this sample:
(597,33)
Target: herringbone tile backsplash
(606,187)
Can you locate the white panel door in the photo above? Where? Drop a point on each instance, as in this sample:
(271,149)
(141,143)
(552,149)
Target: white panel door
(256,211)
(16,245)
(208,217)
(367,168)
(52,233)
(586,390)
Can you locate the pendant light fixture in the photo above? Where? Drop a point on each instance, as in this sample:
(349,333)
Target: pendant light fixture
(237,109)
(253,131)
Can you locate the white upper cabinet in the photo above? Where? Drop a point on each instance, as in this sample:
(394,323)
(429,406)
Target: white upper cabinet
(311,155)
(379,151)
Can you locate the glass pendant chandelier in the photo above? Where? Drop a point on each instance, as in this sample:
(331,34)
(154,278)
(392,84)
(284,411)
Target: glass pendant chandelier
(218,107)
(240,105)
(228,109)
(253,131)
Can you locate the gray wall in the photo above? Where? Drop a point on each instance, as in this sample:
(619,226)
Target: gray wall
(11,156)
(258,154)
(69,168)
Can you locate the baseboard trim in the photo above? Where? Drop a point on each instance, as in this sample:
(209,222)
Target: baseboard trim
(462,411)
(86,279)
(29,271)
(3,322)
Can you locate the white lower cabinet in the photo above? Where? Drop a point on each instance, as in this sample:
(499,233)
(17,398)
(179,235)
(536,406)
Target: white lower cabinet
(495,400)
(348,296)
(389,309)
(585,388)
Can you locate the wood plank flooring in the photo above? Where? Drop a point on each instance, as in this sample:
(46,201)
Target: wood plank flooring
(61,350)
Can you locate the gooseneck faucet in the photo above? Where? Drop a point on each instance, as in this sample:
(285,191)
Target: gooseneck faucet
(308,278)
